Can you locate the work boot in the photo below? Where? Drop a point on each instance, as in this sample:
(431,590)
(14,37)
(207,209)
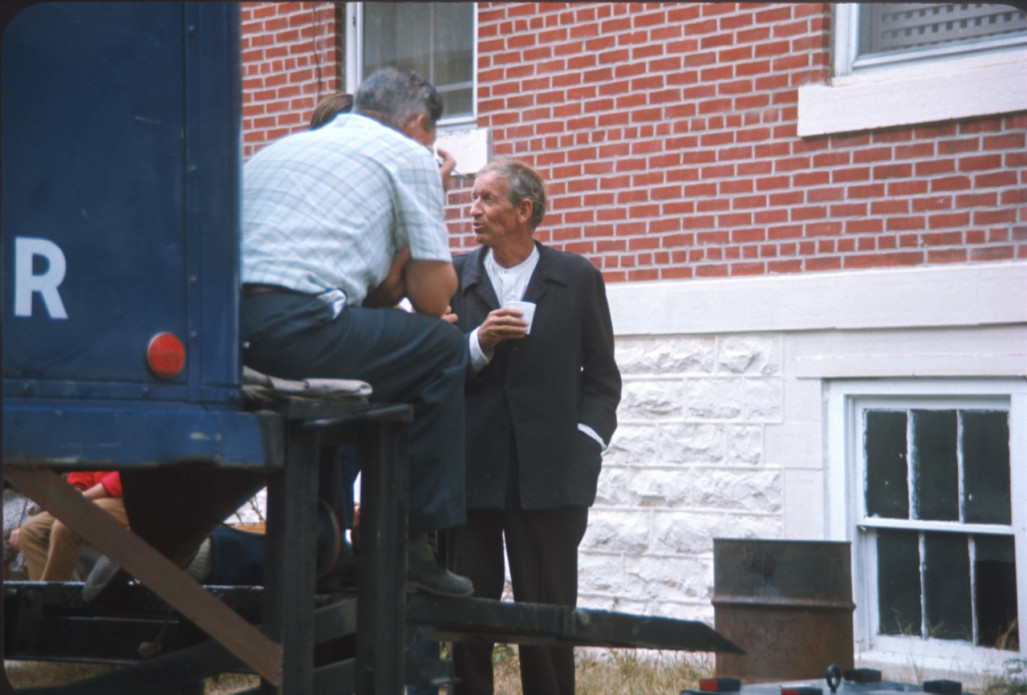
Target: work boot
(425,573)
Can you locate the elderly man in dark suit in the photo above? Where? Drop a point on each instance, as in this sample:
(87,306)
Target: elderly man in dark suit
(541,408)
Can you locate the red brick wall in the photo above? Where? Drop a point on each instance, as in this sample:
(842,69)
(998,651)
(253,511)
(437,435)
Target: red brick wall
(291,57)
(667,135)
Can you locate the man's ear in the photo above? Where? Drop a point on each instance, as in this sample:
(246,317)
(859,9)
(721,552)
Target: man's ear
(417,129)
(524,210)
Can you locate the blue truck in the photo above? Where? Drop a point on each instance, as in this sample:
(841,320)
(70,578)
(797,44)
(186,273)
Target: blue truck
(121,151)
(121,167)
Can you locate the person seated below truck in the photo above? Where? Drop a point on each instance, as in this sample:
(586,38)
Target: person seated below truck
(51,547)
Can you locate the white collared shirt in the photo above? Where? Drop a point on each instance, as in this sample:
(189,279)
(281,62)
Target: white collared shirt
(510,283)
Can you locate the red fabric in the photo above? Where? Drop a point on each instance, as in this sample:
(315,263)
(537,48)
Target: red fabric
(110,480)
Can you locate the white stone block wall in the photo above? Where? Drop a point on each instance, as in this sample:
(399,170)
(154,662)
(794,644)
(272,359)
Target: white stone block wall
(686,465)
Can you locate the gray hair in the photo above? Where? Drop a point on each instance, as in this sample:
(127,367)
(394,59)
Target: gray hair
(522,182)
(396,96)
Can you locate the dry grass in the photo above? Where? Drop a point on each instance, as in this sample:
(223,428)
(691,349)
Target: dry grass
(35,674)
(228,683)
(605,672)
(599,672)
(631,671)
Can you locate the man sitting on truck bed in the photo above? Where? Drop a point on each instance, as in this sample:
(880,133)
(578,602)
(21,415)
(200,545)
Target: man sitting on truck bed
(339,224)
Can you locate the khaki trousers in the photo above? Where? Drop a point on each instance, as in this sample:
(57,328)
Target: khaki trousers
(51,548)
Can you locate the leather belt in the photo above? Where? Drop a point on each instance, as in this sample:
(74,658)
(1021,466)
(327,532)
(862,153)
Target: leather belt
(249,290)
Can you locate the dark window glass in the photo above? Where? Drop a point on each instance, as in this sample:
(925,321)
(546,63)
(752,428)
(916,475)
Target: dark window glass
(898,582)
(935,465)
(434,39)
(947,586)
(995,587)
(986,492)
(887,490)
(942,584)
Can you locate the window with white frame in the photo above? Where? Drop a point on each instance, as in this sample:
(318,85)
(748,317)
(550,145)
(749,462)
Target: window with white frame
(906,63)
(434,39)
(890,32)
(937,521)
(936,498)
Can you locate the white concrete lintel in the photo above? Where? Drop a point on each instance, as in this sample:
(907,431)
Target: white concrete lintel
(934,296)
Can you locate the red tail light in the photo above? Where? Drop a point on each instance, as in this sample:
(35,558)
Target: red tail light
(165,355)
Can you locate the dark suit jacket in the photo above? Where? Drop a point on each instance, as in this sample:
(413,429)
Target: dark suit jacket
(539,388)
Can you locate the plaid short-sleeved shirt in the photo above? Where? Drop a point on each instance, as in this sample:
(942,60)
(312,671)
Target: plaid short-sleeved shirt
(326,210)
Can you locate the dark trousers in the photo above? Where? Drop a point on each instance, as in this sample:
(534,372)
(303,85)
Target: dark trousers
(542,550)
(407,358)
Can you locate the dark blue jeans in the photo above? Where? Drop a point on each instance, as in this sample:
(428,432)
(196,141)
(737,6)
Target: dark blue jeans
(407,358)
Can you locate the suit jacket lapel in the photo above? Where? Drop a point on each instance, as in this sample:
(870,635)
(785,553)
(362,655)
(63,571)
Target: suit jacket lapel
(476,280)
(547,271)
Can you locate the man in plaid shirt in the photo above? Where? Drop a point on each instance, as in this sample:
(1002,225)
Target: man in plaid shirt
(339,224)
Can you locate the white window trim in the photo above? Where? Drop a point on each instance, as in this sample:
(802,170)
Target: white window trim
(843,504)
(470,145)
(354,44)
(929,90)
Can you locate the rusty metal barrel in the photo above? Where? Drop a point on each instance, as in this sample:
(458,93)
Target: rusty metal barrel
(788,604)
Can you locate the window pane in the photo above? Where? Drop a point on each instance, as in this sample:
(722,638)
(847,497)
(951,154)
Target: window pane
(457,102)
(995,592)
(936,576)
(453,31)
(892,26)
(898,582)
(947,586)
(432,39)
(395,34)
(986,467)
(887,490)
(453,70)
(935,466)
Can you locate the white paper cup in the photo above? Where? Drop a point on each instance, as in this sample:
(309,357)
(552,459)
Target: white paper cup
(527,310)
